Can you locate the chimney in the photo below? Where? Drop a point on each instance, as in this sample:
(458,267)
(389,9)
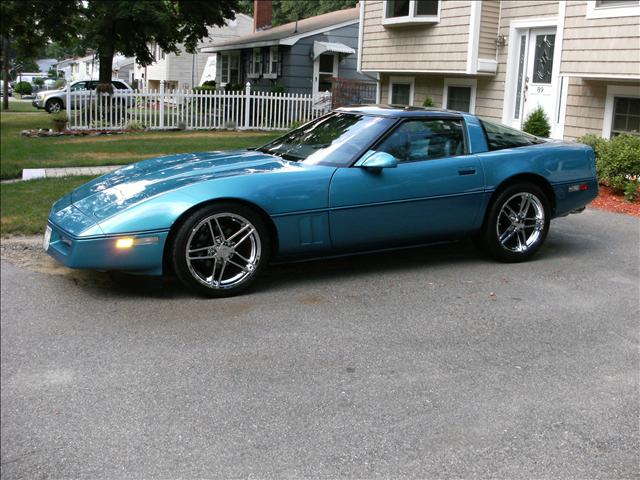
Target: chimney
(262,14)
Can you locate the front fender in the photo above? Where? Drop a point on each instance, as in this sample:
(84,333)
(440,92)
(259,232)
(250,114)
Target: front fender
(278,193)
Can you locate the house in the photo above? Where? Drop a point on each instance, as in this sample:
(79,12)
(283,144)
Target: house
(185,70)
(88,68)
(577,59)
(300,57)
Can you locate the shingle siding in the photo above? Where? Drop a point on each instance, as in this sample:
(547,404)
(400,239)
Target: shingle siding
(441,47)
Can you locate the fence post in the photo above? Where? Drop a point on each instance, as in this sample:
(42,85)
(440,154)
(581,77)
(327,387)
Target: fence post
(68,105)
(247,104)
(161,124)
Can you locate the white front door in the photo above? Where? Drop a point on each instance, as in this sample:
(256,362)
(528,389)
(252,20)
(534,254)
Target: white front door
(535,81)
(324,67)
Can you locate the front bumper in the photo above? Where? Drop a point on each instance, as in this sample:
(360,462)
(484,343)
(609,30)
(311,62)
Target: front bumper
(100,252)
(38,103)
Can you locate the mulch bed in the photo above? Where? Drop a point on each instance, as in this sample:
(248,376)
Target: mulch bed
(613,202)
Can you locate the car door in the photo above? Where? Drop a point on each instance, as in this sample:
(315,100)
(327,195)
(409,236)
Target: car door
(434,193)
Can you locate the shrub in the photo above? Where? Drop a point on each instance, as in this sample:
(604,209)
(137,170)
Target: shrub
(233,87)
(537,123)
(59,121)
(39,81)
(59,84)
(23,88)
(617,162)
(207,86)
(428,102)
(278,89)
(135,126)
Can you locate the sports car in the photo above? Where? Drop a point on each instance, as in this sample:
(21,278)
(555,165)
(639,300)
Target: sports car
(358,179)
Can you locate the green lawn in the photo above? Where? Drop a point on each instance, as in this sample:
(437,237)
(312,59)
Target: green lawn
(21,107)
(24,206)
(17,152)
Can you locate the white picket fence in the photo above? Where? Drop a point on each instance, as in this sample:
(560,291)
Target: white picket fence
(174,109)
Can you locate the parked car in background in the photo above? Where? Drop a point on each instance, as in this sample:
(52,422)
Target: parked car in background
(355,180)
(55,100)
(2,88)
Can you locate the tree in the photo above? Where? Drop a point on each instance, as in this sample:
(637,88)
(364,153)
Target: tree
(537,123)
(27,26)
(113,26)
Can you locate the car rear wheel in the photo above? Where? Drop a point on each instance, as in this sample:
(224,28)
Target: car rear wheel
(221,249)
(517,223)
(54,105)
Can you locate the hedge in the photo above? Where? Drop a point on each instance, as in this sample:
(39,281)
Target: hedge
(617,162)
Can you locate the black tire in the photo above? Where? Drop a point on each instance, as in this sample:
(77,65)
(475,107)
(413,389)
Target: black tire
(507,235)
(54,105)
(201,232)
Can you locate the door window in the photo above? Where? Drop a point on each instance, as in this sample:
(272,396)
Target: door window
(417,140)
(325,72)
(543,59)
(521,59)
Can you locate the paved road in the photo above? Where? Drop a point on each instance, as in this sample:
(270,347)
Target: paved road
(430,363)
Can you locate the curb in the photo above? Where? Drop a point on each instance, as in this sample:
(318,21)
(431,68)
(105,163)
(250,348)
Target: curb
(34,173)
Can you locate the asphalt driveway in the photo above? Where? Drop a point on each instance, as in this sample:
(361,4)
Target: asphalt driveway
(425,363)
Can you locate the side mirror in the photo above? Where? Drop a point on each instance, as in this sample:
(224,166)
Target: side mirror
(378,160)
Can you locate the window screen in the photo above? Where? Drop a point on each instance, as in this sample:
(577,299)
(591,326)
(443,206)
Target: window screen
(626,116)
(459,98)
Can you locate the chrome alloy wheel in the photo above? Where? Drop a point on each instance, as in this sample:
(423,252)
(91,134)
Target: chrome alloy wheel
(223,251)
(521,222)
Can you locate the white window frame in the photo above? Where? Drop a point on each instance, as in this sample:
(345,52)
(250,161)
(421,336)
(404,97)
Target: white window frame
(412,18)
(411,81)
(471,83)
(630,91)
(273,57)
(611,11)
(255,52)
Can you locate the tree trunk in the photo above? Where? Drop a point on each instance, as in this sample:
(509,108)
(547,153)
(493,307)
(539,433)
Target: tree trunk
(106,71)
(5,73)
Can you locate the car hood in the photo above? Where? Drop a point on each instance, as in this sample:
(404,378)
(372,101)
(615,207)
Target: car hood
(49,92)
(127,186)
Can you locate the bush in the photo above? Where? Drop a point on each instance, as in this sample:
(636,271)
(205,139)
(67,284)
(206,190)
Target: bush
(59,121)
(617,162)
(233,87)
(208,86)
(278,89)
(23,88)
(537,123)
(59,84)
(135,126)
(428,102)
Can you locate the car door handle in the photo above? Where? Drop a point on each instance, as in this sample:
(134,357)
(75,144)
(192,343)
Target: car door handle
(467,171)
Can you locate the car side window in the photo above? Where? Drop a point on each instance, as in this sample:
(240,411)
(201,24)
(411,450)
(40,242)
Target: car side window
(92,85)
(417,140)
(119,85)
(78,87)
(501,136)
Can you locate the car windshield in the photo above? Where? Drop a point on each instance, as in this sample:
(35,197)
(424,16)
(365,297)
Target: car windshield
(335,139)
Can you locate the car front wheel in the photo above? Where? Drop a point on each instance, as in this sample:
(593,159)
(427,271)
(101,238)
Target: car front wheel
(54,106)
(517,223)
(221,249)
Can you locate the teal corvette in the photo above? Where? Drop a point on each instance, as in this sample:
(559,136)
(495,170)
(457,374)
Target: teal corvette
(358,179)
